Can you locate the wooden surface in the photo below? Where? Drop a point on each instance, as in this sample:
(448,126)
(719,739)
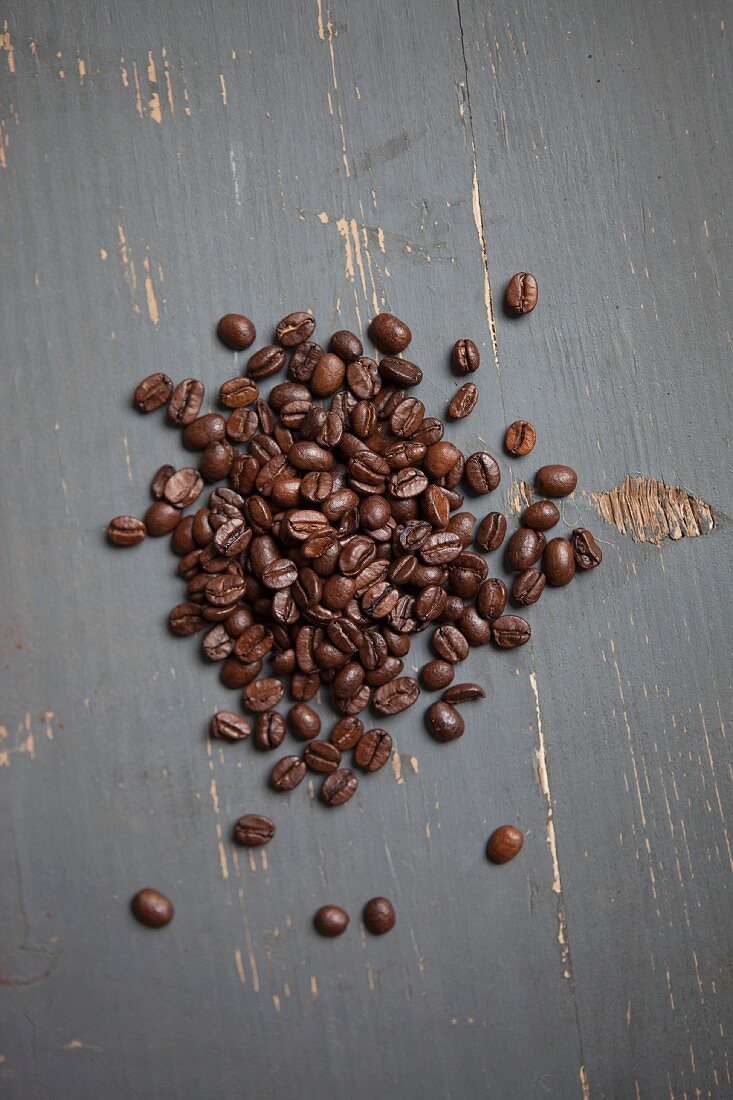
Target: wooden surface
(161,164)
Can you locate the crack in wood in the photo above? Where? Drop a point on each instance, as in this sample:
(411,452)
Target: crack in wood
(648,510)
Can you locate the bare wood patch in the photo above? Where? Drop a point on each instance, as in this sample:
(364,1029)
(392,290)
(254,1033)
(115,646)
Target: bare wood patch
(519,495)
(650,511)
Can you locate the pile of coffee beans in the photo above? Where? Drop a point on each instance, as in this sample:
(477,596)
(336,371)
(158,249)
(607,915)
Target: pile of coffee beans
(339,531)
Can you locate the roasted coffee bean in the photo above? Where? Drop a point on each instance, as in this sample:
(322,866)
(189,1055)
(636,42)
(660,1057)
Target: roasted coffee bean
(396,696)
(521,293)
(379,916)
(309,456)
(355,704)
(303,361)
(347,733)
(524,548)
(225,589)
(126,531)
(482,472)
(204,430)
(436,674)
(444,722)
(152,392)
(520,438)
(504,844)
(279,574)
(466,356)
(452,611)
(463,402)
(305,723)
(491,531)
(556,480)
(182,541)
(236,331)
(475,629)
(462,524)
(542,515)
(186,401)
(218,643)
(229,726)
(528,587)
(441,547)
(295,329)
(238,392)
(161,518)
(183,487)
(339,787)
(269,730)
(363,379)
(152,908)
(160,478)
(449,643)
(236,674)
(400,372)
(374,750)
(254,830)
(330,920)
(558,562)
(253,643)
(346,345)
(322,756)
(242,425)
(586,551)
(288,773)
(389,333)
(407,417)
(266,362)
(431,431)
(264,694)
(510,631)
(463,693)
(328,375)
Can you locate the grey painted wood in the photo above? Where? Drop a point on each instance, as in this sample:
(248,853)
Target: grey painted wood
(163,164)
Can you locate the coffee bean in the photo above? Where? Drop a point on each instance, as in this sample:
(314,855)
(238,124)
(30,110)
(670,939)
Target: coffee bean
(463,402)
(475,629)
(436,674)
(462,524)
(450,644)
(407,417)
(186,401)
(542,515)
(161,518)
(586,551)
(152,908)
(463,693)
(236,331)
(242,425)
(309,456)
(504,844)
(491,531)
(269,730)
(556,480)
(266,362)
(346,345)
(183,487)
(520,438)
(442,547)
(466,356)
(303,361)
(328,375)
(322,756)
(339,787)
(304,722)
(254,830)
(238,392)
(396,696)
(331,921)
(126,531)
(264,694)
(186,619)
(346,733)
(238,674)
(294,329)
(558,562)
(482,472)
(400,372)
(389,333)
(521,293)
(217,644)
(288,773)
(229,726)
(204,430)
(524,548)
(374,750)
(510,631)
(528,587)
(444,722)
(152,392)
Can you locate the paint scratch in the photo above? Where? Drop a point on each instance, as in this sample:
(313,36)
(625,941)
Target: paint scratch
(648,510)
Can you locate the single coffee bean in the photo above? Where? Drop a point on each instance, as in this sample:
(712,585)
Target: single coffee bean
(374,750)
(322,756)
(217,644)
(126,531)
(556,480)
(444,722)
(521,293)
(288,773)
(229,726)
(528,587)
(524,548)
(152,908)
(182,541)
(295,329)
(379,916)
(264,694)
(491,531)
(216,460)
(389,333)
(254,830)
(303,361)
(238,392)
(482,472)
(236,331)
(587,552)
(186,400)
(183,487)
(463,402)
(204,430)
(450,644)
(542,515)
(520,438)
(330,920)
(160,478)
(186,619)
(491,598)
(475,629)
(558,562)
(407,417)
(266,362)
(462,524)
(269,730)
(463,693)
(510,631)
(304,722)
(400,372)
(328,375)
(346,345)
(504,844)
(161,518)
(238,674)
(442,547)
(396,696)
(347,733)
(309,456)
(339,787)
(466,356)
(242,425)
(436,674)
(152,392)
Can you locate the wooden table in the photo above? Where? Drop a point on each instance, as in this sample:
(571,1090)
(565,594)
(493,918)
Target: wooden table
(161,164)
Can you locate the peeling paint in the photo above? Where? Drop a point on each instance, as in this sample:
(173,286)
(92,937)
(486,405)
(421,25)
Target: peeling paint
(648,510)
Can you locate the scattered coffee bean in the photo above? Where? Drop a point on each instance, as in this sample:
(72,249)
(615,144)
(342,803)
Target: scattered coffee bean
(504,844)
(524,548)
(339,787)
(389,333)
(437,674)
(521,294)
(466,356)
(330,920)
(204,430)
(288,773)
(400,372)
(270,730)
(238,392)
(126,531)
(266,362)
(491,531)
(295,329)
(558,562)
(152,392)
(450,644)
(556,481)
(183,487)
(520,438)
(510,631)
(528,587)
(152,908)
(444,722)
(229,726)
(161,518)
(463,402)
(542,515)
(254,830)
(379,916)
(474,628)
(463,693)
(396,696)
(322,756)
(346,345)
(236,331)
(586,551)
(374,750)
(304,722)
(482,472)
(186,400)
(491,598)
(347,733)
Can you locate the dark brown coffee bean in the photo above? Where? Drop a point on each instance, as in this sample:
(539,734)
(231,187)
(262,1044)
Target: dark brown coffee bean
(440,458)
(152,908)
(266,362)
(491,598)
(482,472)
(346,345)
(242,425)
(436,674)
(217,643)
(330,920)
(253,643)
(449,643)
(521,293)
(254,830)
(328,375)
(379,916)
(309,456)
(305,723)
(182,541)
(520,438)
(264,694)
(396,696)
(303,361)
(463,402)
(186,619)
(389,333)
(347,732)
(542,515)
(528,587)
(510,631)
(524,548)
(236,331)
(238,392)
(269,730)
(444,722)
(441,547)
(504,844)
(126,531)
(558,562)
(463,693)
(407,417)
(363,379)
(229,726)
(374,750)
(236,674)
(491,531)
(339,787)
(587,552)
(279,574)
(452,611)
(183,487)
(295,329)
(288,773)
(225,589)
(161,518)
(322,756)
(204,430)
(466,356)
(556,480)
(152,392)
(400,372)
(160,478)
(475,629)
